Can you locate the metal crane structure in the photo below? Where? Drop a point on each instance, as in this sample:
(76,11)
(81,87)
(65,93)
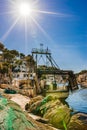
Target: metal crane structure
(45,55)
(50,66)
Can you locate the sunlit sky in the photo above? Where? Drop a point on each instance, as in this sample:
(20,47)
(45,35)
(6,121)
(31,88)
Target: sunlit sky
(61,25)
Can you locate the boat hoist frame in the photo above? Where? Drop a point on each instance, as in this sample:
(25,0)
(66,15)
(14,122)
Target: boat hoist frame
(37,54)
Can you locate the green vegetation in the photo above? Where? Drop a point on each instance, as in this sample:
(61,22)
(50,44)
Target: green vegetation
(11,60)
(83,71)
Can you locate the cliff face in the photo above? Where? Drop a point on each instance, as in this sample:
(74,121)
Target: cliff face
(82,78)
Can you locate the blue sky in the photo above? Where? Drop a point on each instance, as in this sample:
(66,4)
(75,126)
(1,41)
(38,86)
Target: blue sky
(61,25)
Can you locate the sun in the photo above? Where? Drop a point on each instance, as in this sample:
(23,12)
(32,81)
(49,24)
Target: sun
(25,9)
(26,13)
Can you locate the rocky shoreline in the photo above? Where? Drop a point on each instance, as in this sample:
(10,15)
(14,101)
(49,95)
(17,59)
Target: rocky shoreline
(48,113)
(57,113)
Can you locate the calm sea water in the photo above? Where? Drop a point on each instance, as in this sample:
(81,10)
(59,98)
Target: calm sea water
(78,100)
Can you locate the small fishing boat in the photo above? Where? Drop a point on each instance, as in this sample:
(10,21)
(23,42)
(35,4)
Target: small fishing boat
(59,90)
(61,94)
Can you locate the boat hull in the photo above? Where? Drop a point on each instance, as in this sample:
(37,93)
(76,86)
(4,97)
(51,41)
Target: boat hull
(60,94)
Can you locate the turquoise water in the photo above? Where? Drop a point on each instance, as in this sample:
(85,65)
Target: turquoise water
(78,100)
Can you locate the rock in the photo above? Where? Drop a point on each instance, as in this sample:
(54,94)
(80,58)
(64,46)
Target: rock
(20,99)
(78,122)
(8,96)
(52,109)
(35,99)
(13,118)
(33,103)
(42,120)
(29,92)
(4,86)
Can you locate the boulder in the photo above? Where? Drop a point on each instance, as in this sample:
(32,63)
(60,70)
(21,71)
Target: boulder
(78,122)
(4,86)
